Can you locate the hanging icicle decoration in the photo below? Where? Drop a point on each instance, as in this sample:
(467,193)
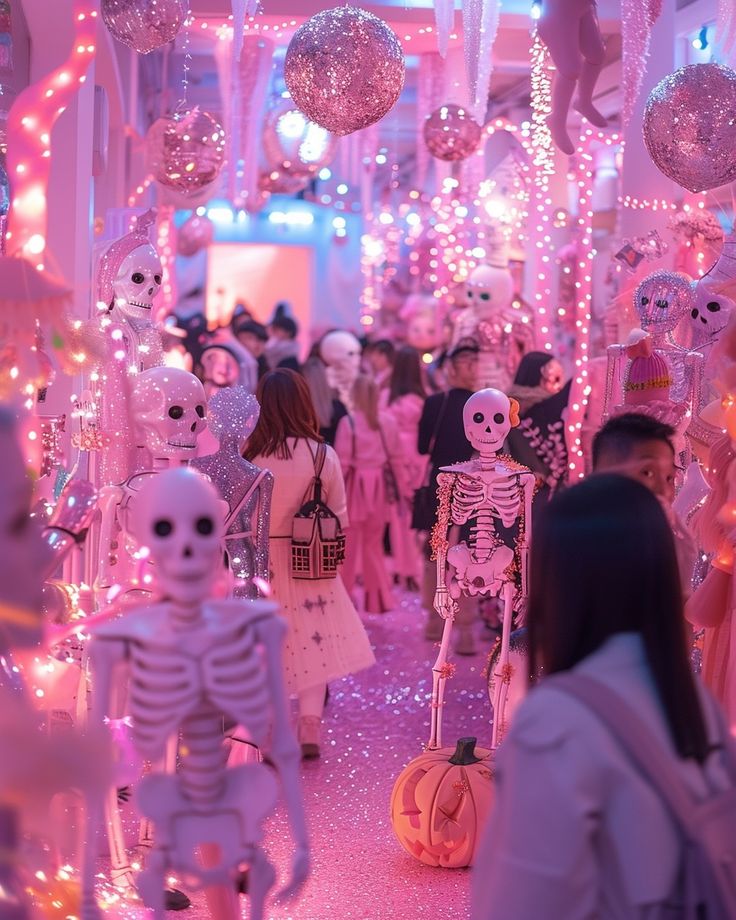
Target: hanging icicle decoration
(637,19)
(444,17)
(480,25)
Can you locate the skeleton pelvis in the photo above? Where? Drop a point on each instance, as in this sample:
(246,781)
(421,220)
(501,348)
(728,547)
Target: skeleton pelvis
(233,822)
(473,577)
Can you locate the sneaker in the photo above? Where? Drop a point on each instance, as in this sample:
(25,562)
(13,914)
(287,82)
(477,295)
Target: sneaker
(308,733)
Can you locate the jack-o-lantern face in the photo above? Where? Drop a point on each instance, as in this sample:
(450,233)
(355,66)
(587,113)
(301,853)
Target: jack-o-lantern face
(440,803)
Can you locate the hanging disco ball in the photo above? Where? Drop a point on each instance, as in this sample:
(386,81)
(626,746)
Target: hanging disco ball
(451,133)
(186,151)
(690,126)
(292,141)
(283,182)
(196,233)
(344,69)
(144,25)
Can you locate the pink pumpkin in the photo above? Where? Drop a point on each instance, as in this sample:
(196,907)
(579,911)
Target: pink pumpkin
(440,803)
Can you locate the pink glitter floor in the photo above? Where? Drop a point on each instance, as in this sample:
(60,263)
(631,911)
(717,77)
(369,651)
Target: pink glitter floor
(374,724)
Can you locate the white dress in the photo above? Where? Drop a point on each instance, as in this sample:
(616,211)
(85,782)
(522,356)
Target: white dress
(326,638)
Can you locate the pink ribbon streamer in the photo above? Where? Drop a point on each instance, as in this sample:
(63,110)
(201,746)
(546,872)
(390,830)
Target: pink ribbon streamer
(637,19)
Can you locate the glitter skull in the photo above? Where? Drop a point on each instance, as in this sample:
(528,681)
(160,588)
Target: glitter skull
(169,411)
(488,416)
(179,517)
(137,282)
(662,299)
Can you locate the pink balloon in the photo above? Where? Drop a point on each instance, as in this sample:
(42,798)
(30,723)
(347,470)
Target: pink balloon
(186,151)
(194,234)
(344,69)
(451,133)
(142,25)
(689,126)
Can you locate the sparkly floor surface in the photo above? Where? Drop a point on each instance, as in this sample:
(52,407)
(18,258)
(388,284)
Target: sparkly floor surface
(375,722)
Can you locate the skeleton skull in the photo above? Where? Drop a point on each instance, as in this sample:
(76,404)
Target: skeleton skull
(488,416)
(489,288)
(662,299)
(710,313)
(341,351)
(137,282)
(180,519)
(169,411)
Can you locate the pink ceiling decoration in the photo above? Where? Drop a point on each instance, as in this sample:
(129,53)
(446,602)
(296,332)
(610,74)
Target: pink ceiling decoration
(637,19)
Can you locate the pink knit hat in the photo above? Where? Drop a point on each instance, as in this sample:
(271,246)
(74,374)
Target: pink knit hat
(113,256)
(649,377)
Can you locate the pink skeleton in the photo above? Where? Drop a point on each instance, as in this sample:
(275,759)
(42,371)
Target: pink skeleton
(483,493)
(194,662)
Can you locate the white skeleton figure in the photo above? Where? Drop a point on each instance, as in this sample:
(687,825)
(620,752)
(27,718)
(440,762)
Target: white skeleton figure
(341,352)
(483,491)
(168,412)
(233,413)
(129,278)
(491,322)
(194,662)
(661,300)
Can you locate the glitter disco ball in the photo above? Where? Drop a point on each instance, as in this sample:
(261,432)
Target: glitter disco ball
(344,69)
(292,141)
(186,151)
(690,126)
(144,25)
(197,232)
(450,133)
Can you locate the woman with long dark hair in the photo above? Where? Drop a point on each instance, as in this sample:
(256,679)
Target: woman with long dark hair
(577,832)
(404,400)
(325,638)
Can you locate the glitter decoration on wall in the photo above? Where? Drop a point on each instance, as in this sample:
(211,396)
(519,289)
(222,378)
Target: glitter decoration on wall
(344,69)
(451,133)
(186,151)
(689,126)
(144,25)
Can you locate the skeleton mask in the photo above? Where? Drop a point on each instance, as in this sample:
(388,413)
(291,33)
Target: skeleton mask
(553,376)
(709,314)
(180,519)
(169,411)
(341,353)
(661,300)
(489,288)
(488,416)
(137,282)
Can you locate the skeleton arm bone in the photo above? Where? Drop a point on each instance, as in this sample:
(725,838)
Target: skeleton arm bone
(285,751)
(443,603)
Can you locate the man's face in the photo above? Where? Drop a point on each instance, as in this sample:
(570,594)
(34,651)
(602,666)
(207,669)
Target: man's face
(464,371)
(251,341)
(651,463)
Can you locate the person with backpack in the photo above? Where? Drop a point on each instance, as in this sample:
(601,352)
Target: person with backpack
(325,638)
(615,788)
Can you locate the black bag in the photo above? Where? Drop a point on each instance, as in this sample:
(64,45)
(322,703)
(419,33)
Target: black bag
(424,503)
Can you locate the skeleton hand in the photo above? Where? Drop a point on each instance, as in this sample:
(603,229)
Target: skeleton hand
(299,873)
(444,604)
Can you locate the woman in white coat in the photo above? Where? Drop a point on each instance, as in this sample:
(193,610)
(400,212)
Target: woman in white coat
(577,832)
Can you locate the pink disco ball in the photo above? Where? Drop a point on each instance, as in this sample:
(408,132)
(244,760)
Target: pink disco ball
(194,234)
(291,140)
(144,25)
(344,69)
(283,182)
(690,126)
(186,151)
(451,133)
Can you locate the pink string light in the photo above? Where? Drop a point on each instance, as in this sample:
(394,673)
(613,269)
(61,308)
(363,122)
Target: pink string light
(30,122)
(580,391)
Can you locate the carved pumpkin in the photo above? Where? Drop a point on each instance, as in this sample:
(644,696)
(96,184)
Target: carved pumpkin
(440,803)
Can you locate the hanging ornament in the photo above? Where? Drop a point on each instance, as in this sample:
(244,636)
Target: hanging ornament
(186,151)
(451,134)
(144,25)
(344,69)
(194,234)
(637,20)
(282,182)
(290,140)
(444,17)
(480,25)
(690,126)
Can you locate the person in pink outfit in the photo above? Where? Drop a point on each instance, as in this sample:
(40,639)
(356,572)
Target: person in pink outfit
(403,401)
(369,449)
(577,832)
